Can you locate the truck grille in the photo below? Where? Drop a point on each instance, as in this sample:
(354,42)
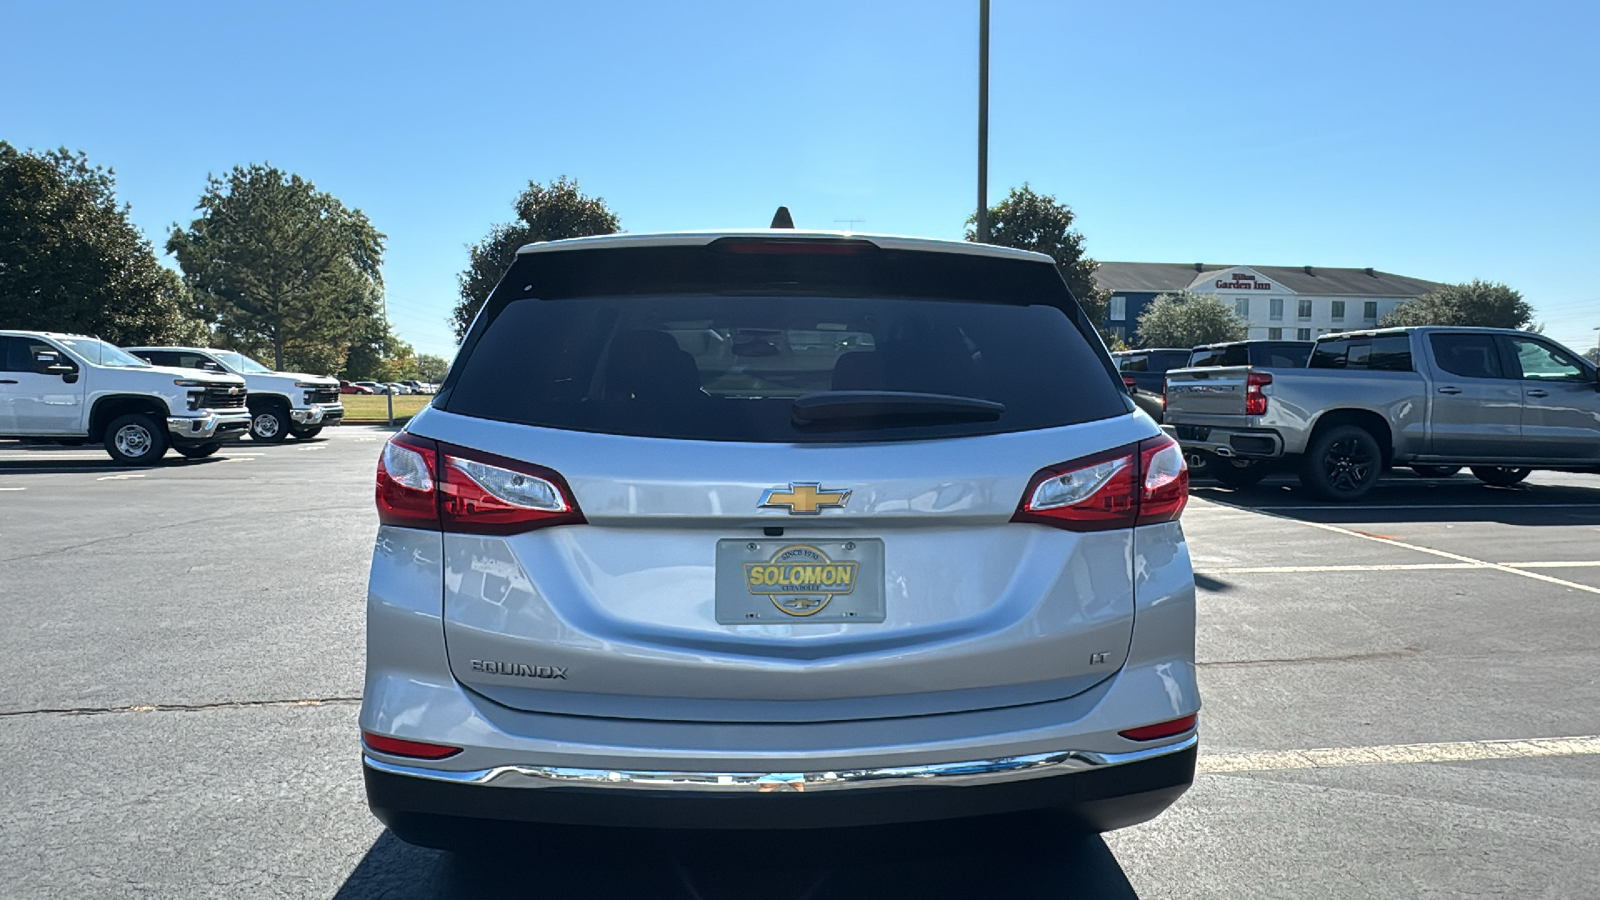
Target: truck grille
(329,394)
(223,398)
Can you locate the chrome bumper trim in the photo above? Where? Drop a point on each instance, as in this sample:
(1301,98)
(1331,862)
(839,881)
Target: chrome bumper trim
(200,428)
(1008,768)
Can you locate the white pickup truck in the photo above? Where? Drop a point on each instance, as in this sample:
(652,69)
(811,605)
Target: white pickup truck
(281,403)
(69,387)
(1499,401)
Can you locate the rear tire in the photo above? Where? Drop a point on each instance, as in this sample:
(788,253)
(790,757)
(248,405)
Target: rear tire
(198,451)
(136,440)
(1236,475)
(306,434)
(1342,464)
(269,424)
(1500,476)
(1436,471)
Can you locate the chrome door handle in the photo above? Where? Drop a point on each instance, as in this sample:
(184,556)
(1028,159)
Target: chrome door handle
(1538,393)
(1449,390)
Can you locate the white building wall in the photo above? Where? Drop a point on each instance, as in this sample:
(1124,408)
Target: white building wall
(1321,319)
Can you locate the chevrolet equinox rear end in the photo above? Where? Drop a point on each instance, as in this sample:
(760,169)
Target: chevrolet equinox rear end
(777,529)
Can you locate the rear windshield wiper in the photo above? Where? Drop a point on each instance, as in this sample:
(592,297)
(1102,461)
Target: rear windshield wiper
(890,408)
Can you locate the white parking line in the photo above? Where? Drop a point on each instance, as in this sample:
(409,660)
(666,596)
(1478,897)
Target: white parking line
(122,477)
(1429,550)
(1344,507)
(1399,567)
(1395,754)
(13,489)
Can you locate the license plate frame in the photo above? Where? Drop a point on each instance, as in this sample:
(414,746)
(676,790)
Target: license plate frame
(807,578)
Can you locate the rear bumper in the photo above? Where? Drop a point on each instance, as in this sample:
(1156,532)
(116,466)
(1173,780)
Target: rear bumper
(1230,443)
(1096,791)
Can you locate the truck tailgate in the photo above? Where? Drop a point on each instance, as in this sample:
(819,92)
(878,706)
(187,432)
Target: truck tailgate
(1206,392)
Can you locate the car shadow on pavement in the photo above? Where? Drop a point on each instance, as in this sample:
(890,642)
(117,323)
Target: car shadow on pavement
(45,465)
(1018,858)
(1400,498)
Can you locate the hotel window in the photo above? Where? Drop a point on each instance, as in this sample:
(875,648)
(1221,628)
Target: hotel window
(1302,334)
(1338,310)
(1305,309)
(1274,334)
(1119,309)
(1369,311)
(1275,309)
(1241,307)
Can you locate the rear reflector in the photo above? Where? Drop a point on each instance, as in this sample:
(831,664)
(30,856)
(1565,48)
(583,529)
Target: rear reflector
(413,749)
(1161,729)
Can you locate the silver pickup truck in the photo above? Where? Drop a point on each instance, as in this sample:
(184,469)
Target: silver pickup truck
(1435,399)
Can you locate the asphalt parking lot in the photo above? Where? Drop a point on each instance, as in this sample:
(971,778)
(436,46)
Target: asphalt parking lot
(1402,699)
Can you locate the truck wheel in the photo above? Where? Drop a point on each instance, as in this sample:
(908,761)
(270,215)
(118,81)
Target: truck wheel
(136,440)
(1342,464)
(269,424)
(1235,474)
(1500,476)
(1435,471)
(306,434)
(198,451)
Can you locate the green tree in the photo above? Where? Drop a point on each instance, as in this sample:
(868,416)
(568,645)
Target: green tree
(1026,220)
(281,268)
(1484,304)
(1592,355)
(544,213)
(71,260)
(1184,319)
(431,368)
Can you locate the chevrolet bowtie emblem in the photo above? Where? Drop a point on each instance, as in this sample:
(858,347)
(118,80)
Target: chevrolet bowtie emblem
(803,498)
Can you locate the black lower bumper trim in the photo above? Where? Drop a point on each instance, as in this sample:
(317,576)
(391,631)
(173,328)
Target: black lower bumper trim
(444,814)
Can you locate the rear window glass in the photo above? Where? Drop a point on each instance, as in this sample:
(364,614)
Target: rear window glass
(1282,356)
(1468,355)
(1139,363)
(728,367)
(1390,353)
(1235,355)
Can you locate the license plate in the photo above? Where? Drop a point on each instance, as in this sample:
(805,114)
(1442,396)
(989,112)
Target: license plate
(795,581)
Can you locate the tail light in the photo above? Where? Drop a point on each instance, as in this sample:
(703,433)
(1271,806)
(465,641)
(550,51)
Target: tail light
(1138,484)
(1129,383)
(1255,402)
(441,487)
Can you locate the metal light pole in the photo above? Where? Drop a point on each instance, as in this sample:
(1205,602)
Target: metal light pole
(983,121)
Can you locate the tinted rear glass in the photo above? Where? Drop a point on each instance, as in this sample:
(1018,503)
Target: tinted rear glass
(1232,355)
(1162,360)
(727,368)
(1282,356)
(1389,353)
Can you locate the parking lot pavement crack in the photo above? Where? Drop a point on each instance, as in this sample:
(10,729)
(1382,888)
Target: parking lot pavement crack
(154,528)
(178,707)
(1309,660)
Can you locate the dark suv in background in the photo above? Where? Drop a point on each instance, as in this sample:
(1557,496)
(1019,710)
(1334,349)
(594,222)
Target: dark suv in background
(1144,374)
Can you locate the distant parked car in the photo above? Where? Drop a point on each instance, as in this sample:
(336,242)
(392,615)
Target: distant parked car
(1144,374)
(396,387)
(281,403)
(346,387)
(421,387)
(373,387)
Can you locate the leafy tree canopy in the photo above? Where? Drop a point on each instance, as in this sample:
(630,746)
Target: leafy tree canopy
(1592,355)
(431,368)
(1479,303)
(544,213)
(1184,319)
(1027,220)
(281,268)
(70,259)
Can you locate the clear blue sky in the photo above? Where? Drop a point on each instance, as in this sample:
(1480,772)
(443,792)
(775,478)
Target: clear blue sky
(1443,140)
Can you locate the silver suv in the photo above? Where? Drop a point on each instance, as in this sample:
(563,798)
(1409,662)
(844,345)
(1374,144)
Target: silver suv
(777,529)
